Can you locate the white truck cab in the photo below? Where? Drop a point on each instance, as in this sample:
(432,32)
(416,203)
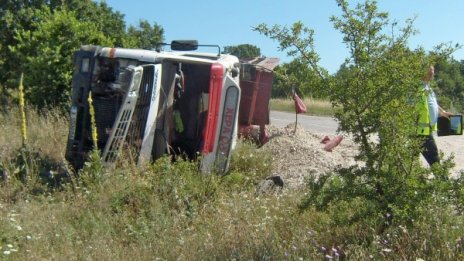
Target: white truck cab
(151,103)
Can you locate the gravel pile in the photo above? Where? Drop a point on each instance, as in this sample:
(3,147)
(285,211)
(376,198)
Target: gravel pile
(298,155)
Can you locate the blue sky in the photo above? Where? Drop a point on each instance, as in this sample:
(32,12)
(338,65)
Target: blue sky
(230,22)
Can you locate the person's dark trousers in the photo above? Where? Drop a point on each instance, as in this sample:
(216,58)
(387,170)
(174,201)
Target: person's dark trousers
(429,149)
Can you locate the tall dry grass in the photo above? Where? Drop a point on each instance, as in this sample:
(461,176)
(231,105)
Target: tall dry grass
(314,107)
(47,132)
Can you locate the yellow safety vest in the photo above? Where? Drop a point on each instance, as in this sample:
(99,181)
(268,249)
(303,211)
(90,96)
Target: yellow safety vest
(424,127)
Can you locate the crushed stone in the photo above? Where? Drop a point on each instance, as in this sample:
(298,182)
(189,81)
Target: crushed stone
(299,155)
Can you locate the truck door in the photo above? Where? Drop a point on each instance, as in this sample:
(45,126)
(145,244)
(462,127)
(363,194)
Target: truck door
(227,128)
(221,124)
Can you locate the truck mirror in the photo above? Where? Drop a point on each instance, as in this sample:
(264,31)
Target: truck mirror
(184,45)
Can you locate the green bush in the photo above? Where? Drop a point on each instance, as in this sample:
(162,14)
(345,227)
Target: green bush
(247,159)
(373,90)
(181,186)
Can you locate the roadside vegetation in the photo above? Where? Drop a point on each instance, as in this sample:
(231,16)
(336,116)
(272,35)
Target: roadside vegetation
(315,107)
(170,211)
(387,208)
(374,89)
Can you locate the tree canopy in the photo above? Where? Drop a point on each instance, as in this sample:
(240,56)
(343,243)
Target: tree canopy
(243,50)
(145,36)
(299,76)
(449,79)
(38,37)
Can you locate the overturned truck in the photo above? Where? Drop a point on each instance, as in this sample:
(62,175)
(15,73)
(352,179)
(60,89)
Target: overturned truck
(150,103)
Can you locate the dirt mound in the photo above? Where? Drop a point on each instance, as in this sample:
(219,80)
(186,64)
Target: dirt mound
(298,155)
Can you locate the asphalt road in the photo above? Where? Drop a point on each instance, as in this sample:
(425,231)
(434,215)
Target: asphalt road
(314,124)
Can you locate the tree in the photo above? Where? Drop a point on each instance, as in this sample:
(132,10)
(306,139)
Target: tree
(376,90)
(243,50)
(110,23)
(297,75)
(450,84)
(21,17)
(144,36)
(38,39)
(14,16)
(46,54)
(449,77)
(298,42)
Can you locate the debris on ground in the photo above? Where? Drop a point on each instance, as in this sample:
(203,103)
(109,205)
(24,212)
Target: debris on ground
(300,154)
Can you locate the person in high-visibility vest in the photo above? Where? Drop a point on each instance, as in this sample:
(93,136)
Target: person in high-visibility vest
(429,111)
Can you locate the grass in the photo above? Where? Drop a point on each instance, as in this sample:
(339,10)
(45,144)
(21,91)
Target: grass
(46,132)
(169,211)
(314,107)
